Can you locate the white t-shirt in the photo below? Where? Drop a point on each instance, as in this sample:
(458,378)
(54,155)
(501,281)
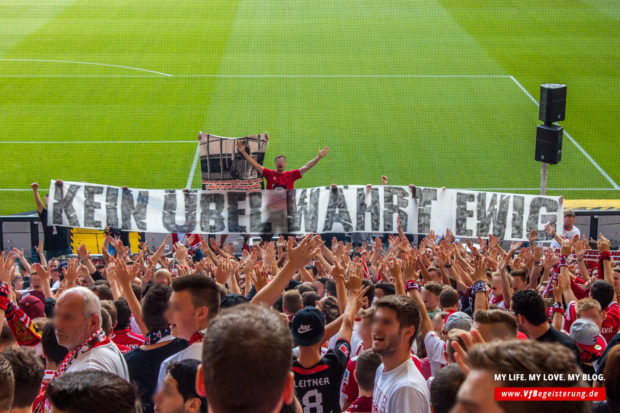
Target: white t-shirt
(434,351)
(567,235)
(402,390)
(356,340)
(135,328)
(102,358)
(193,352)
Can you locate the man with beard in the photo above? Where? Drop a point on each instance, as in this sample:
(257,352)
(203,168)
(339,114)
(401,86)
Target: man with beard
(399,385)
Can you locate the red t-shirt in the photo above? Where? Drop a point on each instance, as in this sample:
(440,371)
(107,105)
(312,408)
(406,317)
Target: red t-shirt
(284,180)
(361,404)
(127,338)
(611,323)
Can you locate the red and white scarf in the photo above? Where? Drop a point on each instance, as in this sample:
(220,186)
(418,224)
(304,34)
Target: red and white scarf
(495,299)
(97,339)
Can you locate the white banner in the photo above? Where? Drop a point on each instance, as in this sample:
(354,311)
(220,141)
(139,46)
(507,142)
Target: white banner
(344,209)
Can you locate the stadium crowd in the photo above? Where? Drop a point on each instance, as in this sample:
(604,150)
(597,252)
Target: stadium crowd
(307,325)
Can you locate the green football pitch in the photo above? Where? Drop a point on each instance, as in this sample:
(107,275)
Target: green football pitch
(431,92)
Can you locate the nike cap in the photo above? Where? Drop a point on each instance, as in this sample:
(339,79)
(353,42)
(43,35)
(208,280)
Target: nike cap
(308,326)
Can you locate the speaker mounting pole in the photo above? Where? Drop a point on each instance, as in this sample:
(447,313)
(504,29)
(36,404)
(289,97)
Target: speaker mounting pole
(543,178)
(552,109)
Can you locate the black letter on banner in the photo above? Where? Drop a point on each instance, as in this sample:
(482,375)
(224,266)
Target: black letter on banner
(233,211)
(138,210)
(337,211)
(462,213)
(256,212)
(65,203)
(170,211)
(374,209)
(426,197)
(391,208)
(495,215)
(207,214)
(517,216)
(111,207)
(532,221)
(306,208)
(90,205)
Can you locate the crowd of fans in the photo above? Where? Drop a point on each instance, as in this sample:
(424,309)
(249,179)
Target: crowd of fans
(303,324)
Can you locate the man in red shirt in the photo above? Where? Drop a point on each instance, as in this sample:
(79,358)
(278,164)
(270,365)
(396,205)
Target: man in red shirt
(122,333)
(280,178)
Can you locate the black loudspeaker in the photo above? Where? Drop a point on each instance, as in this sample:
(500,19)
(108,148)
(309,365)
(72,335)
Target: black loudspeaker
(549,144)
(552,102)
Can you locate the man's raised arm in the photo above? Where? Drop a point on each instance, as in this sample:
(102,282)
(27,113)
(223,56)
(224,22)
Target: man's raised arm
(37,197)
(311,163)
(307,248)
(248,157)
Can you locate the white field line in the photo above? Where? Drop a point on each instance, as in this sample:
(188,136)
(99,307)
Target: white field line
(87,63)
(583,151)
(190,178)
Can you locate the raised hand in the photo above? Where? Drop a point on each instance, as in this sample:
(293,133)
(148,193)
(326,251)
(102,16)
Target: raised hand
(180,252)
(7,267)
(123,275)
(566,248)
(72,271)
(538,253)
(269,255)
(221,272)
(409,266)
(395,269)
(549,259)
(214,245)
(550,230)
(449,235)
(240,145)
(19,254)
(603,244)
(338,272)
(532,237)
(479,269)
(259,278)
(307,248)
(323,152)
(432,236)
(514,247)
(83,253)
(355,277)
(39,248)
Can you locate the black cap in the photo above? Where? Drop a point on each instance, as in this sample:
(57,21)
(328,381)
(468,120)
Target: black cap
(308,326)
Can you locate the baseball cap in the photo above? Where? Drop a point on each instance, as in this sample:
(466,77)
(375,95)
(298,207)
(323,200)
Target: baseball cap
(32,306)
(459,320)
(308,326)
(587,336)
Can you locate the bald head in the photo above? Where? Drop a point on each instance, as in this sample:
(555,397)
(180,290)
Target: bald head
(78,316)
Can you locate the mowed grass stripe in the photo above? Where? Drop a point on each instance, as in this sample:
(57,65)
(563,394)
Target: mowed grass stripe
(572,42)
